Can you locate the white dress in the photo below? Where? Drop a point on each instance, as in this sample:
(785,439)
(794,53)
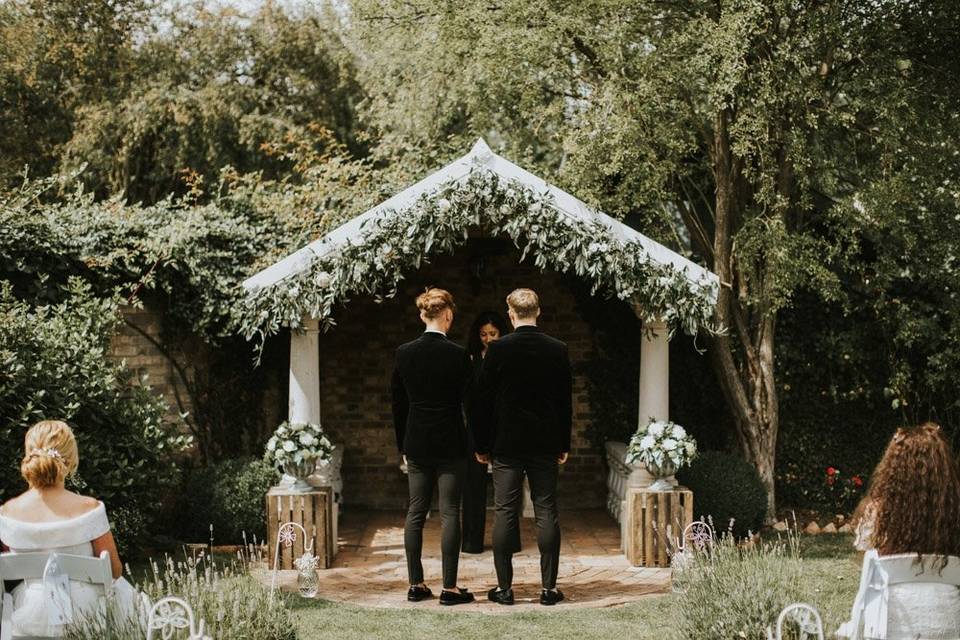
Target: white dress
(72,536)
(915,611)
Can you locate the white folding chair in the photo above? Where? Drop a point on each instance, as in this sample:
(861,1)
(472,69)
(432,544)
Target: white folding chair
(804,617)
(31,566)
(870,615)
(170,614)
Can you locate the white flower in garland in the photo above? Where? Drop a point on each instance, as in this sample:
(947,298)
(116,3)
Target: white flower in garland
(528,218)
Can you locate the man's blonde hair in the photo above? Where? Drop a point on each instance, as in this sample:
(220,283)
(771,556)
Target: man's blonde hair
(524,303)
(433,301)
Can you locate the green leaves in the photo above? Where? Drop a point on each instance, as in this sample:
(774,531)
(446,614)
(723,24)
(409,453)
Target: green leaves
(395,244)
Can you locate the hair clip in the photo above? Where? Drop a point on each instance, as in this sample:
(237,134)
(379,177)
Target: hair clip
(49,453)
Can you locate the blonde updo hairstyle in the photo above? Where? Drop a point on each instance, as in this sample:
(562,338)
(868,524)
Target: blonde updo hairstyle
(50,454)
(433,302)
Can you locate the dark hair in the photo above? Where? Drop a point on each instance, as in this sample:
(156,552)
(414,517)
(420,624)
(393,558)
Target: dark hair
(915,495)
(474,346)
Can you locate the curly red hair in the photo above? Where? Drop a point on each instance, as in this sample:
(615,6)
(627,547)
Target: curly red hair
(914,495)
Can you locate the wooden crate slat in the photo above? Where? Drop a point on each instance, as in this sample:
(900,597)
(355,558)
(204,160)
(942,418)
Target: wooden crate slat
(650,517)
(310,510)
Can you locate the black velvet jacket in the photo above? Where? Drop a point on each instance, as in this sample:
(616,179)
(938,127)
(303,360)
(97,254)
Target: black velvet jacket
(524,398)
(429,378)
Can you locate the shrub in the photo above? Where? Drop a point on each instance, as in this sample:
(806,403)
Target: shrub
(228,495)
(55,365)
(736,592)
(725,487)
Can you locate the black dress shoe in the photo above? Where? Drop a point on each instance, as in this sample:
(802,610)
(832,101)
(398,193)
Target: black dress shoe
(500,597)
(460,596)
(416,594)
(550,597)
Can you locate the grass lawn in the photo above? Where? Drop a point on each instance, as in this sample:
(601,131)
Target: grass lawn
(831,572)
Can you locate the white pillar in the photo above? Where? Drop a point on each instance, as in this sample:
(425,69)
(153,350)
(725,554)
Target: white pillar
(304,395)
(653,385)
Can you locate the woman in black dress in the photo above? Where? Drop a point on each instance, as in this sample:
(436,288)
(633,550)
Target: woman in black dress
(487,327)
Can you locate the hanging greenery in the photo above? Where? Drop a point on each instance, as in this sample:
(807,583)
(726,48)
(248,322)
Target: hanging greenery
(390,246)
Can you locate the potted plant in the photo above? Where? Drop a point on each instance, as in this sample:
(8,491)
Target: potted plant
(663,447)
(296,448)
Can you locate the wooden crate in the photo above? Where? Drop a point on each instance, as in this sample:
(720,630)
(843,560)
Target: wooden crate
(647,517)
(314,512)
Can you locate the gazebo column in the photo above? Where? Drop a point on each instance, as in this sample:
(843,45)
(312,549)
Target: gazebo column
(653,385)
(303,405)
(304,396)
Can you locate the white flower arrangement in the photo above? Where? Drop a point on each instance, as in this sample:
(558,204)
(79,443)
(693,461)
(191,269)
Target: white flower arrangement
(296,442)
(659,442)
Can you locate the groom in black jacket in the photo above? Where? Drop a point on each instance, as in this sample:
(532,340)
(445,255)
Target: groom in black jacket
(524,422)
(427,387)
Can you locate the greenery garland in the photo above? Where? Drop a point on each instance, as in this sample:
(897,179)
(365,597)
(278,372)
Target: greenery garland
(439,222)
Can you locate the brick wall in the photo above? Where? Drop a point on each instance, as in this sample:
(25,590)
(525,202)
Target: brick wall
(356,360)
(147,362)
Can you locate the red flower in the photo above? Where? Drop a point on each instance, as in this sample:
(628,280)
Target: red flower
(857,481)
(831,471)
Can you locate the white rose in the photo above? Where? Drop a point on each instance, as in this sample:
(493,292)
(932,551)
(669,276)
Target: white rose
(271,444)
(647,442)
(443,204)
(669,444)
(288,446)
(655,429)
(691,449)
(679,432)
(307,439)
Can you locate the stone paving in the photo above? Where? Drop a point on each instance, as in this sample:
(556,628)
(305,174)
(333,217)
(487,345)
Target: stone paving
(370,568)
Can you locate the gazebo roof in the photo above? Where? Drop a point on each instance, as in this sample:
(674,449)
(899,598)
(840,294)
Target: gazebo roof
(480,156)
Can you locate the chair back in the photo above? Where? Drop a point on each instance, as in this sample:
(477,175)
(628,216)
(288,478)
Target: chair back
(806,619)
(32,566)
(870,615)
(26,566)
(900,569)
(170,614)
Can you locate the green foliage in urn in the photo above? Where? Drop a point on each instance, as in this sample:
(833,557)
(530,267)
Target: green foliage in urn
(392,245)
(55,365)
(296,442)
(726,489)
(661,442)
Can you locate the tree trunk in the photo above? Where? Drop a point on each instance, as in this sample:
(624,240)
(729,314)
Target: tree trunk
(743,358)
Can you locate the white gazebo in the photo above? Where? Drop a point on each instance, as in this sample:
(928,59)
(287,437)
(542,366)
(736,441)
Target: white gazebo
(653,383)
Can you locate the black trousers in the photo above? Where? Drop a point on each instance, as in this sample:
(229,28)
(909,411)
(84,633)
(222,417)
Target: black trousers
(508,472)
(474,511)
(422,475)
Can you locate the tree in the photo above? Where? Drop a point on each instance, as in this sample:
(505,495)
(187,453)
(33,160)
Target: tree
(219,88)
(729,129)
(56,55)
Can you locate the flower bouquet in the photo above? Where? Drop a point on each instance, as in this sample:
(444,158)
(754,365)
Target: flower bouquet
(663,447)
(296,447)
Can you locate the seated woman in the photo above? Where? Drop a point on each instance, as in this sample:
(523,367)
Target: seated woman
(49,518)
(913,507)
